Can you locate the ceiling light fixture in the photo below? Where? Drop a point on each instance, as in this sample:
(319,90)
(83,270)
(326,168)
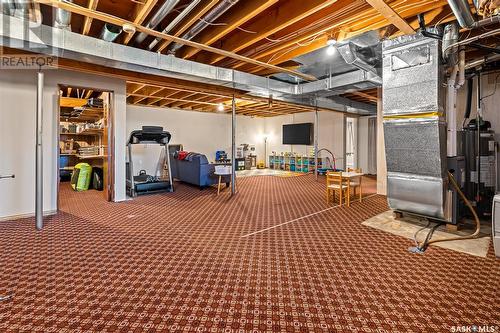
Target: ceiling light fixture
(220,107)
(330,50)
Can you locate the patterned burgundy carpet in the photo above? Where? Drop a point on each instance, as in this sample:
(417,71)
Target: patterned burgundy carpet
(188,261)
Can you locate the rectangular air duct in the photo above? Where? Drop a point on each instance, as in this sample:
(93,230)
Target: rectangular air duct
(414,126)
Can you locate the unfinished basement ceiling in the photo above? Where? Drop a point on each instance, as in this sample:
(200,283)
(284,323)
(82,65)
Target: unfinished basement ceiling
(271,31)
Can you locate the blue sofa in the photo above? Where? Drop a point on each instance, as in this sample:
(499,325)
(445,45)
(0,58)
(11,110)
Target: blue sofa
(196,171)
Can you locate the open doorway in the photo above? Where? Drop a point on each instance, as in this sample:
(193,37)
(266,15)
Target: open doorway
(85,142)
(351,143)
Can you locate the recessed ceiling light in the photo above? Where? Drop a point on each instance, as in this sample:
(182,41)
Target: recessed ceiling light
(330,50)
(331,41)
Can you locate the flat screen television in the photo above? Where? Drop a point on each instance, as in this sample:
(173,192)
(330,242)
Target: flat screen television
(298,134)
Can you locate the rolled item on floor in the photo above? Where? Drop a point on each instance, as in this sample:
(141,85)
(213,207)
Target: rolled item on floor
(415,126)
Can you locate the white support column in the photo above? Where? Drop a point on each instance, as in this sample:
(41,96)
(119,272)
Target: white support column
(39,154)
(233,146)
(316,130)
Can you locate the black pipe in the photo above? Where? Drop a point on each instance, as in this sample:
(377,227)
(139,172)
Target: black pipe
(423,30)
(478,127)
(468,106)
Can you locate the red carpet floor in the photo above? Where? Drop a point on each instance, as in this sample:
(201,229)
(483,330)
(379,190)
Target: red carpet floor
(185,261)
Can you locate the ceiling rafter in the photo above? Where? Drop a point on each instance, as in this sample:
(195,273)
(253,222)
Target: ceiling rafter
(139,15)
(391,15)
(363,21)
(195,15)
(290,12)
(87,23)
(71,7)
(231,20)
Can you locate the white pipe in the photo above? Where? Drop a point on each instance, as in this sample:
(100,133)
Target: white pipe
(164,10)
(39,154)
(461,69)
(233,146)
(451,113)
(175,21)
(473,39)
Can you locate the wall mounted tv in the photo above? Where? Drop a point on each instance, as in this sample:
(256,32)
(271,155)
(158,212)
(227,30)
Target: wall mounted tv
(298,134)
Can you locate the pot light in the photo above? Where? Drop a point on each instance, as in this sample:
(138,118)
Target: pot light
(220,107)
(331,41)
(330,50)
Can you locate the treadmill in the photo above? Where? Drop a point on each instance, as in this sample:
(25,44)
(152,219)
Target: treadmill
(144,183)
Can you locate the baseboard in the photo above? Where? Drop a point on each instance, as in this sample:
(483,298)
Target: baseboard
(24,216)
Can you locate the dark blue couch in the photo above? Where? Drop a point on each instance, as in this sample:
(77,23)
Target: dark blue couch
(196,171)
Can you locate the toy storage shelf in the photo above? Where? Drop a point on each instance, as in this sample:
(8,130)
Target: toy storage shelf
(294,163)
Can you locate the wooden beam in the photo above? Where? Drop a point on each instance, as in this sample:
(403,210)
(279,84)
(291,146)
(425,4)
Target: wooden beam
(71,7)
(288,13)
(195,15)
(391,15)
(362,21)
(141,11)
(243,12)
(365,95)
(87,23)
(71,102)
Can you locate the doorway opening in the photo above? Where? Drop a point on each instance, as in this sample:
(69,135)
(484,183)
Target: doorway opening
(85,151)
(351,143)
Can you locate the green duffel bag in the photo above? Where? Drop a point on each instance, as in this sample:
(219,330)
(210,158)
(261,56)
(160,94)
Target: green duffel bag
(80,179)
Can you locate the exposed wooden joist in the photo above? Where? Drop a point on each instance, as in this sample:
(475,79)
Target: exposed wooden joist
(87,22)
(234,18)
(290,12)
(71,102)
(141,11)
(391,15)
(363,21)
(71,7)
(365,96)
(195,15)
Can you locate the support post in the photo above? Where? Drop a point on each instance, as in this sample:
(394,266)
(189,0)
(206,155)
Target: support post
(233,146)
(39,154)
(316,125)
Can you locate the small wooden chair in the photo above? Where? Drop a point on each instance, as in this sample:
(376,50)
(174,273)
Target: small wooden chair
(336,183)
(355,183)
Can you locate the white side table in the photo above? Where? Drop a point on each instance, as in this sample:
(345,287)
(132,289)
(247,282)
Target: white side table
(221,171)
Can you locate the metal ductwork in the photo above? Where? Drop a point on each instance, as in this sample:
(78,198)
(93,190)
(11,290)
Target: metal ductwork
(110,32)
(461,10)
(8,7)
(415,126)
(63,18)
(22,8)
(213,15)
(175,21)
(450,37)
(365,58)
(61,43)
(159,16)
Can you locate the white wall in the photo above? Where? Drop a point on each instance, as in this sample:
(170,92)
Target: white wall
(207,132)
(197,131)
(330,133)
(17,135)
